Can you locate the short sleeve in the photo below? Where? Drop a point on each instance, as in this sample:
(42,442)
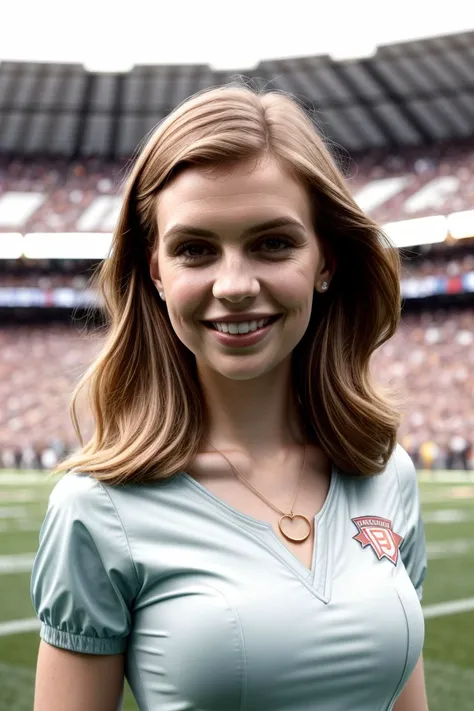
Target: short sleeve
(413,547)
(83,582)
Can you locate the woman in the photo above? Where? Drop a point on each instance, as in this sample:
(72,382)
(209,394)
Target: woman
(241,531)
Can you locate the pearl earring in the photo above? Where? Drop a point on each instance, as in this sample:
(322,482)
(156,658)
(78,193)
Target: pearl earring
(324,285)
(162,295)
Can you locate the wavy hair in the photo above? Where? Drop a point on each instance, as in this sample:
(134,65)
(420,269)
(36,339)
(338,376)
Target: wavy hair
(143,390)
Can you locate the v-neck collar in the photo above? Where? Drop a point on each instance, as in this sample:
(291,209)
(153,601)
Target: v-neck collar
(318,579)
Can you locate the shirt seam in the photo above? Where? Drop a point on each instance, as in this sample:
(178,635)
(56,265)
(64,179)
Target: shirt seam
(243,699)
(399,687)
(325,581)
(123,531)
(113,584)
(405,518)
(419,590)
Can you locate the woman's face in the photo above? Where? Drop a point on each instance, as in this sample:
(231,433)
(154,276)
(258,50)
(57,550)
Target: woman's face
(238,253)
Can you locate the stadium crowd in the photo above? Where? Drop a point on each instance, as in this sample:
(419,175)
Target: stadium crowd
(442,264)
(44,281)
(70,189)
(446,170)
(430,362)
(446,173)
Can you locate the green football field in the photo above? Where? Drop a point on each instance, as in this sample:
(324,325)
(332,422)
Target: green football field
(448,508)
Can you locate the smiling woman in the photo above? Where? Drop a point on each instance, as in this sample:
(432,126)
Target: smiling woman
(255,258)
(213,140)
(241,531)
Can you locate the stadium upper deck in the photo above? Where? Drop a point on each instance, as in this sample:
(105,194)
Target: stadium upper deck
(411,94)
(66,133)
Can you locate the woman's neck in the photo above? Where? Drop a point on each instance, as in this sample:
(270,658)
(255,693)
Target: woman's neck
(259,416)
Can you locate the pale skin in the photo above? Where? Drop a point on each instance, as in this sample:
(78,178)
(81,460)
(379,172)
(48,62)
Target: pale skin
(67,681)
(413,696)
(252,413)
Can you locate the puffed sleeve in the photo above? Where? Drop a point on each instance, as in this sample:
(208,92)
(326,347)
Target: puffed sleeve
(413,547)
(83,582)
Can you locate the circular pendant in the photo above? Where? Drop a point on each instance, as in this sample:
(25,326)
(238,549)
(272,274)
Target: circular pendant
(302,529)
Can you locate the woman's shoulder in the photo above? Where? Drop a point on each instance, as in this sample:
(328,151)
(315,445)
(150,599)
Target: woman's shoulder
(79,493)
(399,469)
(84,578)
(404,469)
(397,482)
(75,484)
(78,496)
(81,515)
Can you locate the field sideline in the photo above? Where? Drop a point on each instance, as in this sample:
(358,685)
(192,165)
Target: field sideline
(448,603)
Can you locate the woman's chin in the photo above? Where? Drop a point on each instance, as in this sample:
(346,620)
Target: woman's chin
(239,368)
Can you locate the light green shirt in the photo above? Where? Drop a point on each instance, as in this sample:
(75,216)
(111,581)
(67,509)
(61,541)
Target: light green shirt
(213,611)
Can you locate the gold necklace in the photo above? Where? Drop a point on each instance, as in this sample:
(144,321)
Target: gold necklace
(284,516)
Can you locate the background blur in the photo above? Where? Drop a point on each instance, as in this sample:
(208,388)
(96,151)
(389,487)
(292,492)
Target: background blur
(400,122)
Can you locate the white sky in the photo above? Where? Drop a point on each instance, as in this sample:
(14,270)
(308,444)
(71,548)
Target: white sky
(228,34)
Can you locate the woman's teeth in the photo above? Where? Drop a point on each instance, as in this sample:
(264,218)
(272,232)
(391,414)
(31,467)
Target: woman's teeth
(241,327)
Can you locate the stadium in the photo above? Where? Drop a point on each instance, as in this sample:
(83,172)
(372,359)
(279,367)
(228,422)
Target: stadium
(400,124)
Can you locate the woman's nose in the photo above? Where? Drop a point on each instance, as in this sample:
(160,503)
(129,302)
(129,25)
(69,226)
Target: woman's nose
(235,282)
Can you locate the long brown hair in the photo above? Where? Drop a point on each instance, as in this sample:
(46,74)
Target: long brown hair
(143,389)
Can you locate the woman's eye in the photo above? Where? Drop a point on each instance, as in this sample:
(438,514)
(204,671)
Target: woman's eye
(275,244)
(192,251)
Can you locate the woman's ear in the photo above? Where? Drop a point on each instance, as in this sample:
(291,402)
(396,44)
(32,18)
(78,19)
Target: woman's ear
(325,272)
(154,272)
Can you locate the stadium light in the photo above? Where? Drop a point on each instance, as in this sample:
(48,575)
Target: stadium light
(422,230)
(11,245)
(96,245)
(60,245)
(461,224)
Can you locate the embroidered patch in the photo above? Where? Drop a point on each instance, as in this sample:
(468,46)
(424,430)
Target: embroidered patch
(377,532)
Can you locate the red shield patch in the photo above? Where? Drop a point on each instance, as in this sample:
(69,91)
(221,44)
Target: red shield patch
(377,532)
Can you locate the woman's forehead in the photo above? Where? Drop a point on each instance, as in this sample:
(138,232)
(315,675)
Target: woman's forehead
(197,193)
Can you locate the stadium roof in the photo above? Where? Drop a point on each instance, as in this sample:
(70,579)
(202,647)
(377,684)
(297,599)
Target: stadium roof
(409,94)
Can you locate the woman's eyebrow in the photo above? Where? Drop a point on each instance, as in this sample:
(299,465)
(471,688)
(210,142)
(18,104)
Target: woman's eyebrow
(190,231)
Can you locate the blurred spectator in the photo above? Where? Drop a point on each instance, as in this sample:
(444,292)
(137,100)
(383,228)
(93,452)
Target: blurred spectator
(458,452)
(49,458)
(29,457)
(429,453)
(8,458)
